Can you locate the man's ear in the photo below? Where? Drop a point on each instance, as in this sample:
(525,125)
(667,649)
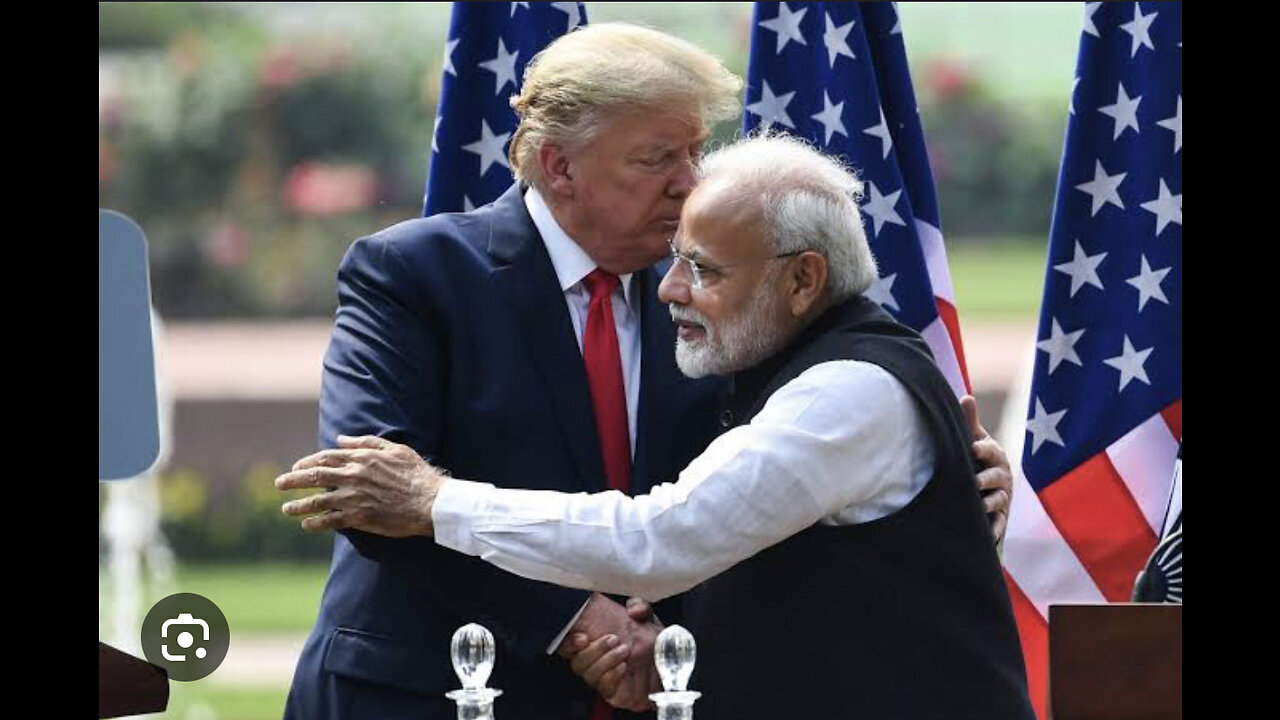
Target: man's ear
(557,170)
(807,284)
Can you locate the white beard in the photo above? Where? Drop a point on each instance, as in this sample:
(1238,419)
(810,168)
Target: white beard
(740,342)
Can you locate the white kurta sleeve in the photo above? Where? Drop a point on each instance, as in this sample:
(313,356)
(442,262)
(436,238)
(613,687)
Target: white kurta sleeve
(842,436)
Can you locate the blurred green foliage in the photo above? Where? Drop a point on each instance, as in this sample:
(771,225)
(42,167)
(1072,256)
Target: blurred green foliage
(151,25)
(995,161)
(251,161)
(236,523)
(252,156)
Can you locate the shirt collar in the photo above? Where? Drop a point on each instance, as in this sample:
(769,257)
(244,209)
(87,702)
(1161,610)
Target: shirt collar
(570,261)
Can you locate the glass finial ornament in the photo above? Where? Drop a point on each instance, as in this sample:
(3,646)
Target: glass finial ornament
(675,653)
(473,652)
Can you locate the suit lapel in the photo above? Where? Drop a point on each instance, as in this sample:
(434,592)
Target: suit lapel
(527,281)
(659,382)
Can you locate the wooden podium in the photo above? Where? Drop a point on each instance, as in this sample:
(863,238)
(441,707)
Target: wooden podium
(1120,661)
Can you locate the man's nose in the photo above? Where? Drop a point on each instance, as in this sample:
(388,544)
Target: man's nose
(674,288)
(683,178)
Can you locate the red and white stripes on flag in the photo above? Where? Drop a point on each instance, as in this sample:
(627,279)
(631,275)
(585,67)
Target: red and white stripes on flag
(1104,417)
(1084,539)
(943,334)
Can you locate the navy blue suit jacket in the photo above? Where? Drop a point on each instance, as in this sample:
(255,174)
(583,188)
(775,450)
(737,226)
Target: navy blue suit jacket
(452,336)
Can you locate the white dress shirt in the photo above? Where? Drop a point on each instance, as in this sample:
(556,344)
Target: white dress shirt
(572,264)
(843,443)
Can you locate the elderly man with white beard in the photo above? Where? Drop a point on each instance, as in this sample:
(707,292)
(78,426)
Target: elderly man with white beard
(835,548)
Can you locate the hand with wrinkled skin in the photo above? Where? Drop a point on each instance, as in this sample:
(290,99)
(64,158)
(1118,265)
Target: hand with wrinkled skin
(619,665)
(370,484)
(383,487)
(995,479)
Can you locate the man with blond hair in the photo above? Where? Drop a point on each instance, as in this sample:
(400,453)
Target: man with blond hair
(522,343)
(841,560)
(464,336)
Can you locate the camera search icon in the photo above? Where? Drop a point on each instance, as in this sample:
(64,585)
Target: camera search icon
(187,635)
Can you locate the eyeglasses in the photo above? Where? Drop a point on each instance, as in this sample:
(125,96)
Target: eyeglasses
(698,270)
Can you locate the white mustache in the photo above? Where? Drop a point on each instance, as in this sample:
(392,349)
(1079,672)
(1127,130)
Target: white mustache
(680,313)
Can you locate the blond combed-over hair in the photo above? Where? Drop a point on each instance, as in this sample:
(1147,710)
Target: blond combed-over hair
(609,68)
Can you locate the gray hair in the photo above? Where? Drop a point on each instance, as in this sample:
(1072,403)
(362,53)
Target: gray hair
(809,201)
(612,67)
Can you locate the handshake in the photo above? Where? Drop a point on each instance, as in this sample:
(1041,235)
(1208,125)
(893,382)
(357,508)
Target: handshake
(611,648)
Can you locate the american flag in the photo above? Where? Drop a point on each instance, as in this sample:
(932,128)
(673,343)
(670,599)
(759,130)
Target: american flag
(1105,413)
(487,49)
(836,74)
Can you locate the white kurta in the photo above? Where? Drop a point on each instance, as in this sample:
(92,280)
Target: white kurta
(843,443)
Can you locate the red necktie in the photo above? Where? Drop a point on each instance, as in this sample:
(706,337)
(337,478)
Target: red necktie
(604,376)
(608,398)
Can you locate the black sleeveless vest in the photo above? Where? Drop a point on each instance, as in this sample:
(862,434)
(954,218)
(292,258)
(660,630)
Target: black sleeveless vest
(904,617)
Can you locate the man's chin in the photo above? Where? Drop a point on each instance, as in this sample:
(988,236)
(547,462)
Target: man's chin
(696,360)
(639,255)
(654,248)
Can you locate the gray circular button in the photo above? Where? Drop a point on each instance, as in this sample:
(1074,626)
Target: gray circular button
(187,635)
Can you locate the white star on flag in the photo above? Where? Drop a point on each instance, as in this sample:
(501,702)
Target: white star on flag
(1175,124)
(485,40)
(881,292)
(881,131)
(772,108)
(1089,10)
(1129,362)
(1140,29)
(503,67)
(837,41)
(830,117)
(1148,283)
(881,207)
(1124,112)
(1167,208)
(1110,355)
(491,148)
(1103,188)
(897,21)
(786,25)
(571,10)
(1061,346)
(1044,427)
(448,56)
(1083,269)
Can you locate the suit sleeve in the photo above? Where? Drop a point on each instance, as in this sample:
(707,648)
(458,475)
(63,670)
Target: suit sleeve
(385,374)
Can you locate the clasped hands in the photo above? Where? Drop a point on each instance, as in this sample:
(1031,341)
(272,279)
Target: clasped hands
(382,487)
(611,648)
